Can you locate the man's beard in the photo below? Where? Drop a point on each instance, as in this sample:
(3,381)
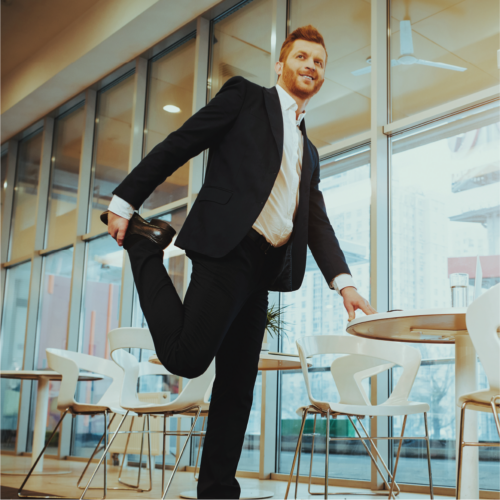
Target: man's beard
(290,80)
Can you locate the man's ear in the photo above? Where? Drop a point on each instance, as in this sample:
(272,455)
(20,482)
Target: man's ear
(278,68)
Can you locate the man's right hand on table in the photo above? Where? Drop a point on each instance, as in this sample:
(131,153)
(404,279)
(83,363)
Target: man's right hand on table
(117,227)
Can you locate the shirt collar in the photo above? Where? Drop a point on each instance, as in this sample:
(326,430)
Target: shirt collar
(288,102)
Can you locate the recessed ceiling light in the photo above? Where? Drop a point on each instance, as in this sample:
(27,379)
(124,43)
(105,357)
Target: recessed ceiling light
(171,108)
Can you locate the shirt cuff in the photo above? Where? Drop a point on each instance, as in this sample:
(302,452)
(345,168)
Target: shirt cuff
(342,281)
(121,207)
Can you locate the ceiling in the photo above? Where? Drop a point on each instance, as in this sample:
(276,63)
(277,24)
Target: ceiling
(28,25)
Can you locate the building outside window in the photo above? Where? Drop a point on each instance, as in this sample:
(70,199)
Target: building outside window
(445,213)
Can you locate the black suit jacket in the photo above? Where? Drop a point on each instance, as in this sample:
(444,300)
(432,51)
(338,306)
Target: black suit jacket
(243,128)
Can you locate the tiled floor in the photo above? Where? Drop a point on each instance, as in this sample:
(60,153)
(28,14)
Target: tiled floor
(65,484)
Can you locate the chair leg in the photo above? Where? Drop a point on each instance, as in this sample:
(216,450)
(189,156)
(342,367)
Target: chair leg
(199,448)
(327,451)
(94,453)
(304,415)
(495,413)
(460,449)
(397,457)
(374,460)
(298,469)
(104,455)
(428,455)
(311,463)
(180,455)
(134,486)
(19,494)
(164,452)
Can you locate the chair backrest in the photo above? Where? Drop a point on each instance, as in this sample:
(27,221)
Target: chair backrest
(69,364)
(195,391)
(350,371)
(388,354)
(483,323)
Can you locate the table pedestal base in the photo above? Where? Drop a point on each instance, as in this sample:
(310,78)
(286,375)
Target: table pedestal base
(246,494)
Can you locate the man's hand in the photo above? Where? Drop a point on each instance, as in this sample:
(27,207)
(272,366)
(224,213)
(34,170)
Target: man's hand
(117,227)
(353,301)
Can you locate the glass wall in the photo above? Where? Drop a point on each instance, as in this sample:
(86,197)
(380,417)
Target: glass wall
(65,163)
(445,213)
(12,338)
(53,315)
(99,315)
(241,46)
(342,106)
(315,309)
(113,126)
(170,104)
(441,51)
(26,196)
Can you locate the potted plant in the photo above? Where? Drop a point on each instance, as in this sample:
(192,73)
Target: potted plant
(275,324)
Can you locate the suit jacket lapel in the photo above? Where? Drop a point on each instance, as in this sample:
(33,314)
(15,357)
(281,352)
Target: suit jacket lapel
(275,115)
(307,166)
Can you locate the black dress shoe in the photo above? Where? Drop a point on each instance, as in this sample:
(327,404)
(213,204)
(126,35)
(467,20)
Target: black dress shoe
(158,231)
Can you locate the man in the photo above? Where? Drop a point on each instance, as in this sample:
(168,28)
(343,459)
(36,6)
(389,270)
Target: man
(247,233)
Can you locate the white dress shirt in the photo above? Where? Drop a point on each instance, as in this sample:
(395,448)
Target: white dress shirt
(275,222)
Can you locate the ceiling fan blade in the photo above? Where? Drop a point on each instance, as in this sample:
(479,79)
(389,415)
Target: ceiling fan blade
(406,38)
(440,65)
(362,71)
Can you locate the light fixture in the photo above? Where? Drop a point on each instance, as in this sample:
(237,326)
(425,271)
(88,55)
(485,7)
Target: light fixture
(170,108)
(5,185)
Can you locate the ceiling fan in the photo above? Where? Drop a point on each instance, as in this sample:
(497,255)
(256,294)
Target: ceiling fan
(407,58)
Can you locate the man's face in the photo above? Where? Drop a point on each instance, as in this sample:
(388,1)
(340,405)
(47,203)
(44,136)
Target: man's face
(303,72)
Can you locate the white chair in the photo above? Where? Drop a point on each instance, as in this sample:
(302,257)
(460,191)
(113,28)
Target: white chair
(193,401)
(366,358)
(483,324)
(69,364)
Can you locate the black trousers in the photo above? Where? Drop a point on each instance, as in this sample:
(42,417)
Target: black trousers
(223,316)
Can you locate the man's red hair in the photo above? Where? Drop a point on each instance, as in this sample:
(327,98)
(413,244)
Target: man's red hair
(308,33)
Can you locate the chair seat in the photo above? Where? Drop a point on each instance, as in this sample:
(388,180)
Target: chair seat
(382,410)
(83,408)
(482,398)
(171,407)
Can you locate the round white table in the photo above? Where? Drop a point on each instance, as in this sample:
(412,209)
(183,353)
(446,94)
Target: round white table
(42,405)
(267,361)
(435,326)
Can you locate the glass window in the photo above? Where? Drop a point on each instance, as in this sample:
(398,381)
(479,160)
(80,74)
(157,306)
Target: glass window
(315,309)
(26,196)
(113,128)
(342,107)
(170,104)
(52,326)
(100,314)
(65,169)
(445,212)
(12,338)
(241,46)
(456,33)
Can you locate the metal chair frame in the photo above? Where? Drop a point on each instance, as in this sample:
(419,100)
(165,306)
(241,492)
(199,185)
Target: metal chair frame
(165,433)
(462,444)
(328,414)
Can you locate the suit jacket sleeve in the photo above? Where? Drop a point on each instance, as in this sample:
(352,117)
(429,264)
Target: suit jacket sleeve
(198,133)
(322,241)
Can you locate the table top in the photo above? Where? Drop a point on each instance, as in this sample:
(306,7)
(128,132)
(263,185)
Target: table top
(431,326)
(268,361)
(37,374)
